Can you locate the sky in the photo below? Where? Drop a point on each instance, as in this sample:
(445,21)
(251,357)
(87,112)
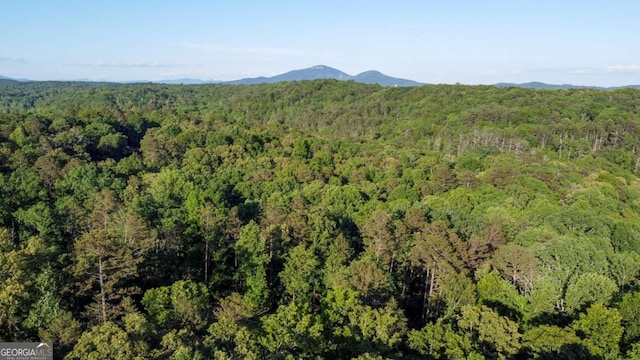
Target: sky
(587,42)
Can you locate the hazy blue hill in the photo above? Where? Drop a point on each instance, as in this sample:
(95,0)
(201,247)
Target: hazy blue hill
(250,81)
(625,87)
(312,73)
(326,72)
(545,86)
(376,77)
(14,79)
(187,81)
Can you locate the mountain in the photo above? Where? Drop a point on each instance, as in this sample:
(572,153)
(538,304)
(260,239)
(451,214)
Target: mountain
(14,79)
(544,86)
(250,81)
(625,87)
(187,81)
(312,73)
(326,72)
(376,77)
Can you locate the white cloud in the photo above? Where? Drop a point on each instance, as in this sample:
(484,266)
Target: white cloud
(584,71)
(494,72)
(613,69)
(131,65)
(242,50)
(221,76)
(625,69)
(577,71)
(10,59)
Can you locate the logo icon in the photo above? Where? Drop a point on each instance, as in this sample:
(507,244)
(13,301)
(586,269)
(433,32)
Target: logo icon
(26,351)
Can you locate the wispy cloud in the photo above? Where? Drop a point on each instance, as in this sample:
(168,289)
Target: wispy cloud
(131,65)
(222,76)
(10,59)
(635,68)
(603,70)
(242,50)
(494,72)
(613,69)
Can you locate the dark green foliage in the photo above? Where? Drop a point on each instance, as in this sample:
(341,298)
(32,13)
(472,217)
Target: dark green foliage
(319,219)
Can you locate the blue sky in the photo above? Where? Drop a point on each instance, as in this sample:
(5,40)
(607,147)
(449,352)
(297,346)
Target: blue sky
(470,42)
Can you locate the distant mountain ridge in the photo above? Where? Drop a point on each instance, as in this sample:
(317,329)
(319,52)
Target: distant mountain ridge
(326,72)
(13,79)
(545,86)
(188,81)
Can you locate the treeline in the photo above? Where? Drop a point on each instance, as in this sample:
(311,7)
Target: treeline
(320,219)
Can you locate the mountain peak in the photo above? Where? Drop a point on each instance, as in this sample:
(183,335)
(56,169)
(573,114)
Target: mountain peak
(371,72)
(376,77)
(325,72)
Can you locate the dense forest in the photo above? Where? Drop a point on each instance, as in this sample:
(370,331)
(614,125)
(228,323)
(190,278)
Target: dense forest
(320,219)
